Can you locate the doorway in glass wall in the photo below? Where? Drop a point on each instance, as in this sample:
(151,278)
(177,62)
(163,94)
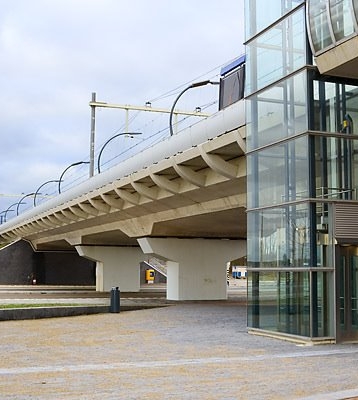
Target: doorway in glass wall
(347,288)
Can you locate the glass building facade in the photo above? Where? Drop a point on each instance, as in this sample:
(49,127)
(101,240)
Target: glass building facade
(302,172)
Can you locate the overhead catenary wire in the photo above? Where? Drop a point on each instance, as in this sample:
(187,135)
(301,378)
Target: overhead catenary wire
(77,175)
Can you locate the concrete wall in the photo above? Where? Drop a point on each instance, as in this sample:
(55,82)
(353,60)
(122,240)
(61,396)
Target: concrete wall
(18,263)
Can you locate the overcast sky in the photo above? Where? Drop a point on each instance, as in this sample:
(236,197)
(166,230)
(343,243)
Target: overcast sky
(55,53)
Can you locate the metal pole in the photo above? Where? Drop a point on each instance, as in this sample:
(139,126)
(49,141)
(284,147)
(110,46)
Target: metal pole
(109,140)
(21,201)
(193,85)
(127,120)
(63,173)
(38,190)
(93,131)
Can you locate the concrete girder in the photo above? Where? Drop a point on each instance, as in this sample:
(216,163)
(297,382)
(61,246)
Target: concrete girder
(51,221)
(134,227)
(20,231)
(36,226)
(23,230)
(70,215)
(196,178)
(99,205)
(143,204)
(74,240)
(79,212)
(165,183)
(219,165)
(89,209)
(55,220)
(132,198)
(5,237)
(240,138)
(62,217)
(44,224)
(144,190)
(10,235)
(33,226)
(112,201)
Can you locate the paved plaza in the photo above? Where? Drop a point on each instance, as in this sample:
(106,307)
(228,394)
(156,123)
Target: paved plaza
(191,350)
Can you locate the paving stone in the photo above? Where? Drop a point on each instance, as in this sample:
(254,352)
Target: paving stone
(191,350)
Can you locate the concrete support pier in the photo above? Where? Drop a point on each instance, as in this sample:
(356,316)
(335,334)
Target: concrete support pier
(196,268)
(115,266)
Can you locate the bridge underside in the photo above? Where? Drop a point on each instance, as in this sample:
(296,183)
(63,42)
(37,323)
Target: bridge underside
(188,203)
(228,224)
(198,193)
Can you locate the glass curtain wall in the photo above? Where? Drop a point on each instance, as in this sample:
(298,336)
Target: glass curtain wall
(289,263)
(331,22)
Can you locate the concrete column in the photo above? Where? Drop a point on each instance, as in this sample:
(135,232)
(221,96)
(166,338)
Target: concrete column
(99,276)
(116,266)
(196,268)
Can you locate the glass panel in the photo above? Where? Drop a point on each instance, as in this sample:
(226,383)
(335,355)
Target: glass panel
(232,88)
(336,168)
(277,52)
(324,305)
(258,16)
(278,112)
(335,107)
(284,167)
(279,237)
(279,301)
(342,18)
(319,25)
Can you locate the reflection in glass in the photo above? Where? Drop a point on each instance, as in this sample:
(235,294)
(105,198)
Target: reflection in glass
(280,112)
(277,52)
(335,107)
(283,304)
(330,21)
(342,18)
(280,302)
(284,167)
(336,168)
(319,25)
(279,237)
(259,15)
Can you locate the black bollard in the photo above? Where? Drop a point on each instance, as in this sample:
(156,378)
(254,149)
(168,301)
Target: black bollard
(114,306)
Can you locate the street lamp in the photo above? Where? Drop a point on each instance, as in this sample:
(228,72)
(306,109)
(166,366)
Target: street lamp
(20,202)
(109,140)
(37,191)
(9,209)
(193,85)
(63,173)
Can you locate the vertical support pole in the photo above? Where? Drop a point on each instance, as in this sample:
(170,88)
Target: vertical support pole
(127,120)
(175,123)
(92,139)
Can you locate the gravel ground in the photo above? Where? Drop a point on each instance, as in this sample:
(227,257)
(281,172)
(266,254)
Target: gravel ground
(185,351)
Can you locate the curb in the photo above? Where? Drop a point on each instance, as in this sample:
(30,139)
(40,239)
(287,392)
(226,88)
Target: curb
(49,312)
(63,311)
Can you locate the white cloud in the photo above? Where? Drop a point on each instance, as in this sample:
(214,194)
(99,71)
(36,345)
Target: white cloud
(54,53)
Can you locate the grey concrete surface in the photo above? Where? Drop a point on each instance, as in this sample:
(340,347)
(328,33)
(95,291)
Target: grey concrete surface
(191,350)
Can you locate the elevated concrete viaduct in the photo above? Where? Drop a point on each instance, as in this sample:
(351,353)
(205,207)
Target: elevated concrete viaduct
(183,200)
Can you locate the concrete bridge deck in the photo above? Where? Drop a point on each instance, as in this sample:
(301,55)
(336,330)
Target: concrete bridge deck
(182,201)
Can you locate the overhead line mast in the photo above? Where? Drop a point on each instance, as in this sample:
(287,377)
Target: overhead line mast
(93,104)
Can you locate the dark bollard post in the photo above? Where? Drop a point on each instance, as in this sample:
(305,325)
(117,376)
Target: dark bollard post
(115,300)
